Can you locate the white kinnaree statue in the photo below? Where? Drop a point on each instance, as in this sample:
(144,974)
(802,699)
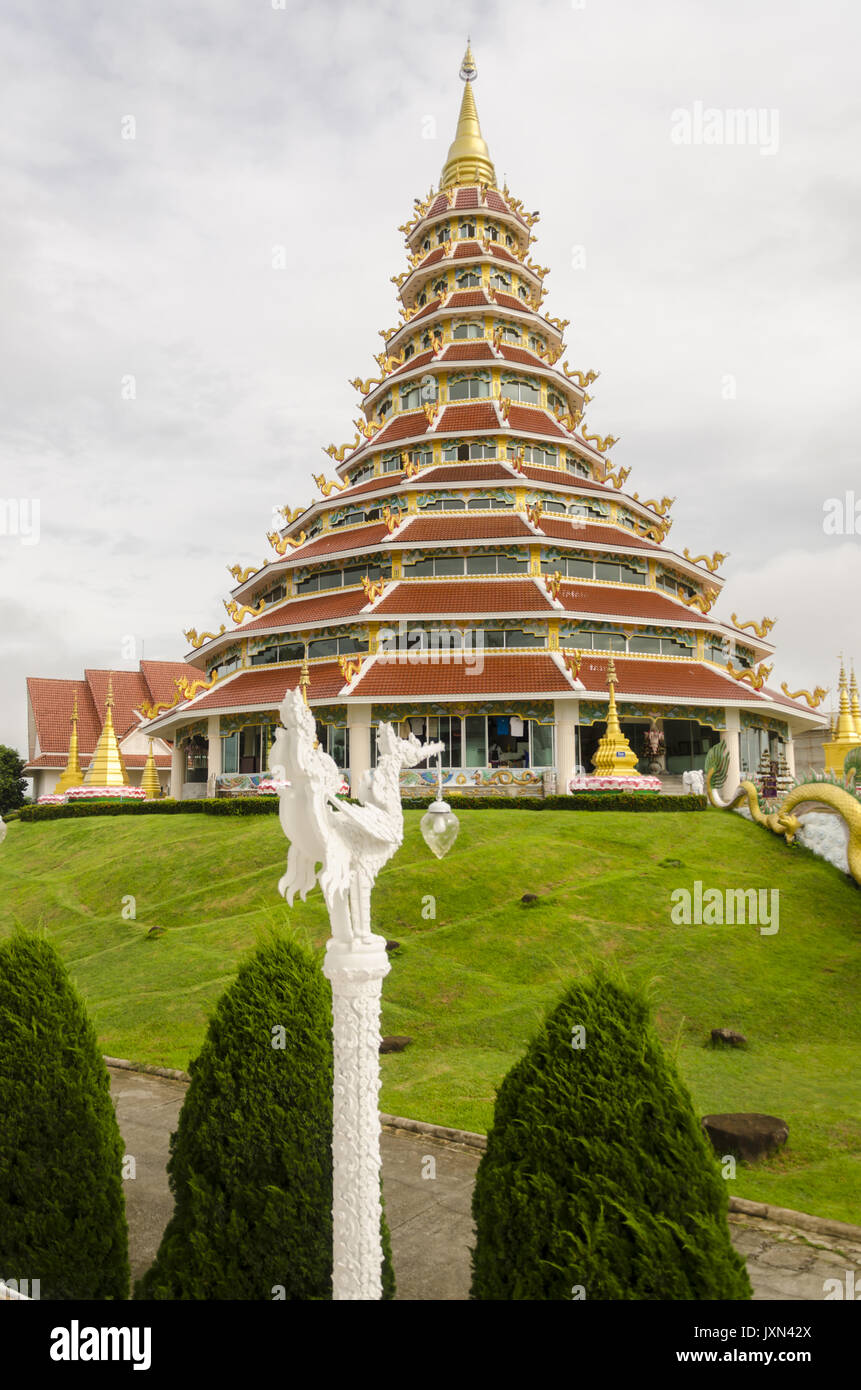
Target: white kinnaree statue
(693,782)
(352,843)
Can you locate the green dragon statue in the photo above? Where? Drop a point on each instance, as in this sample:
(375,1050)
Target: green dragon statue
(827,795)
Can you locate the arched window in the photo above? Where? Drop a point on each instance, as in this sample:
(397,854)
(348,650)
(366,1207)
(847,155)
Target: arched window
(440,286)
(500,280)
(466,229)
(556,402)
(443,232)
(521,388)
(411,396)
(523,292)
(469,387)
(508,332)
(468,328)
(491,231)
(384,406)
(468,278)
(423,298)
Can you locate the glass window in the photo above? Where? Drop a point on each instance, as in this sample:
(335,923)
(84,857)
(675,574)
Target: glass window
(631,575)
(608,642)
(542,744)
(669,647)
(443,232)
(515,638)
(494,637)
(576,568)
(291,651)
(417,568)
(553,506)
(605,570)
(230,753)
(330,579)
(500,281)
(491,231)
(478,504)
(323,646)
(468,279)
(521,389)
(481,564)
(556,402)
(644,644)
(466,230)
(411,396)
(441,285)
(475,741)
(384,407)
(468,388)
(448,564)
(468,330)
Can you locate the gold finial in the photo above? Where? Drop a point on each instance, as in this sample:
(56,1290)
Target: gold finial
(107,768)
(149,778)
(304,677)
(614,756)
(71,776)
(468,157)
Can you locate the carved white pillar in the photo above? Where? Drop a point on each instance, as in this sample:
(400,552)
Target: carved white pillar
(789,755)
(730,736)
(213,755)
(356,970)
(565,713)
(177,771)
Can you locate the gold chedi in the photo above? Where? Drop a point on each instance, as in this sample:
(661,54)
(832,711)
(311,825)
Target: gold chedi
(149,780)
(614,756)
(107,768)
(844,735)
(71,776)
(468,157)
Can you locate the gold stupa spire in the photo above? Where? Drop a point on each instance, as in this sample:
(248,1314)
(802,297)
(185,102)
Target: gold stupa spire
(149,779)
(845,735)
(468,158)
(614,756)
(71,776)
(107,768)
(855,709)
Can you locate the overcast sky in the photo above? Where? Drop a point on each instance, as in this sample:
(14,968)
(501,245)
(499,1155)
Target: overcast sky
(714,285)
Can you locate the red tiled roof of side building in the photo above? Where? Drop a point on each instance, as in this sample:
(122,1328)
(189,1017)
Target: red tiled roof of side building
(587,534)
(402,427)
(266,685)
(160,677)
(474,351)
(474,526)
(481,596)
(637,602)
(130,692)
(521,418)
(131,760)
(52,701)
(344,539)
(481,416)
(679,679)
(504,673)
(319,608)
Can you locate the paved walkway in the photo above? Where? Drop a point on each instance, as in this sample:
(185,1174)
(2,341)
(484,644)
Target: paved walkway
(428,1190)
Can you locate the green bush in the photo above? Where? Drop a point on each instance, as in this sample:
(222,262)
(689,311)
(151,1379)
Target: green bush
(597,1175)
(251,1162)
(164,806)
(582,801)
(62,1207)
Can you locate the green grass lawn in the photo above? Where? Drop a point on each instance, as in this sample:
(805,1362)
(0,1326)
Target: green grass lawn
(470,984)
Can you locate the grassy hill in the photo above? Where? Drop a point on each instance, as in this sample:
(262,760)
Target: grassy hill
(470,984)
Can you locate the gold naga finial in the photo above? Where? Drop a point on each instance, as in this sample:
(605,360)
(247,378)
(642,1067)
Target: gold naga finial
(583,379)
(661,507)
(363,387)
(304,676)
(373,590)
(188,689)
(814,700)
(410,468)
(327,489)
(197,639)
(761,629)
(552,583)
(756,679)
(339,454)
(602,445)
(391,519)
(280,544)
(240,574)
(468,157)
(559,324)
(704,602)
(573,661)
(533,513)
(712,564)
(237,611)
(617,479)
(350,667)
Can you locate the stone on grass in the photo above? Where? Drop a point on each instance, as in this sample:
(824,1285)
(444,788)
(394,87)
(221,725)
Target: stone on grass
(729,1036)
(748,1136)
(394,1043)
(529,899)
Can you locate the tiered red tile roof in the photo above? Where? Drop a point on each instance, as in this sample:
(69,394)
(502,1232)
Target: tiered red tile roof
(264,685)
(466,596)
(320,608)
(475,416)
(474,526)
(499,673)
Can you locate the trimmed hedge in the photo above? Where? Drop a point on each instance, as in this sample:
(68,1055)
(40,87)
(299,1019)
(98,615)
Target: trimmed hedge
(601,801)
(598,1181)
(251,1159)
(165,806)
(62,1206)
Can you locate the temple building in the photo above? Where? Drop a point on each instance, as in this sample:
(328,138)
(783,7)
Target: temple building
(477,561)
(66,721)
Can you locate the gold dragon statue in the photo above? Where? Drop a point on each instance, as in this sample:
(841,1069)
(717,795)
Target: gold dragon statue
(552,583)
(602,445)
(573,661)
(197,639)
(363,387)
(703,602)
(805,797)
(761,629)
(350,667)
(755,679)
(282,543)
(237,611)
(149,710)
(583,379)
(617,479)
(559,324)
(814,700)
(711,563)
(240,574)
(338,485)
(339,454)
(654,505)
(391,519)
(533,511)
(188,689)
(373,589)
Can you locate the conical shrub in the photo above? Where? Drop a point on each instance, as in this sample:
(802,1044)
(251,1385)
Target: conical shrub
(62,1206)
(598,1181)
(251,1161)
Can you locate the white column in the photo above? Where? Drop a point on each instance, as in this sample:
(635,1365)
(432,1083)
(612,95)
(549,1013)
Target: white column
(730,736)
(359,725)
(177,771)
(356,970)
(566,714)
(213,755)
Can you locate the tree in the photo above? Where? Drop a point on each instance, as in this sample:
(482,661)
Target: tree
(251,1160)
(13,786)
(598,1181)
(62,1207)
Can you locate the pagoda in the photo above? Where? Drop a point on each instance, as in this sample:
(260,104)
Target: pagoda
(477,559)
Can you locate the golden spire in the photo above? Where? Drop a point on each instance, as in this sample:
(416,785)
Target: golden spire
(107,768)
(149,779)
(71,776)
(855,709)
(845,721)
(468,158)
(304,677)
(614,756)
